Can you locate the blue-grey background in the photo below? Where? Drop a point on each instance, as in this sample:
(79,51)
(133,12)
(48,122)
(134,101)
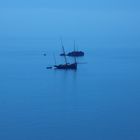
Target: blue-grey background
(100,100)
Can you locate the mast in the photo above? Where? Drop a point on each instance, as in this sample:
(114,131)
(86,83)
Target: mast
(64,52)
(74,46)
(54,58)
(74,52)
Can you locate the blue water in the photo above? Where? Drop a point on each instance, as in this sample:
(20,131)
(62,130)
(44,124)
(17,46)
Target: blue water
(99,101)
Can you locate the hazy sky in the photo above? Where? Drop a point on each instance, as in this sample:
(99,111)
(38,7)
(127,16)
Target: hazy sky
(100,19)
(78,4)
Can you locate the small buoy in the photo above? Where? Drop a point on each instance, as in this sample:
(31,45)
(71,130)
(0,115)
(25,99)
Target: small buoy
(44,54)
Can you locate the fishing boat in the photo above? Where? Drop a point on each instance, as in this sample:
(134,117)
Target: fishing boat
(67,65)
(74,53)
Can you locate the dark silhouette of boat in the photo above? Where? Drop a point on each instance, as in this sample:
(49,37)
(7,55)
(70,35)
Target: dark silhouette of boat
(67,65)
(74,53)
(49,67)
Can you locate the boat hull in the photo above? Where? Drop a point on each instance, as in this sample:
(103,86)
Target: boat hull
(76,53)
(73,54)
(66,66)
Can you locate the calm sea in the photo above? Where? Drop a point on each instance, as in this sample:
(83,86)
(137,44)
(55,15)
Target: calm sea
(99,101)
